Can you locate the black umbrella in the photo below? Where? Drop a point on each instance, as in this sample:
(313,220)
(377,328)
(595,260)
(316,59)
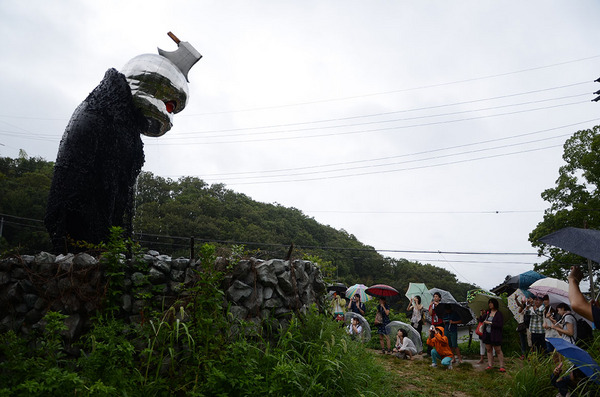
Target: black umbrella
(340,288)
(463,312)
(583,242)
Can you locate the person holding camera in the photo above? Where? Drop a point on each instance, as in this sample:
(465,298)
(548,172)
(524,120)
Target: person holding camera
(356,306)
(440,347)
(354,328)
(536,325)
(523,328)
(435,320)
(416,319)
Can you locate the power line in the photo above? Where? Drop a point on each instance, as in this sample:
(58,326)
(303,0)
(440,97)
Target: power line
(396,163)
(302,137)
(406,110)
(333,248)
(403,155)
(389,121)
(496,212)
(394,170)
(407,89)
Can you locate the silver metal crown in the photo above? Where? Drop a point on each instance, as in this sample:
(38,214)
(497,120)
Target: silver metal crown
(184,57)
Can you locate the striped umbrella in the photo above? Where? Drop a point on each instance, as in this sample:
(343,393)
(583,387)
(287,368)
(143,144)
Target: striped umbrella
(360,290)
(381,291)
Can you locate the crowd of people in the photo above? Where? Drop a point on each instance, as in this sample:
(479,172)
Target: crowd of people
(537,321)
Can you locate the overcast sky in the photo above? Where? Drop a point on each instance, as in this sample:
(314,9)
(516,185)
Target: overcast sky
(415,126)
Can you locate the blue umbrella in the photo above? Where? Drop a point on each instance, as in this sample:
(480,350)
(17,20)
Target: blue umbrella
(582,242)
(524,280)
(579,357)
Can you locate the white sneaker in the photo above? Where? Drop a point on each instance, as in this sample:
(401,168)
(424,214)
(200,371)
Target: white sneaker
(450,366)
(434,365)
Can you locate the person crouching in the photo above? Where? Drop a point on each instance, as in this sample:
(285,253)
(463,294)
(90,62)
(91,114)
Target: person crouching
(440,347)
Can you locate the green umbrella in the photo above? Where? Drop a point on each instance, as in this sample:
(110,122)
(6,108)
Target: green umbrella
(480,302)
(421,290)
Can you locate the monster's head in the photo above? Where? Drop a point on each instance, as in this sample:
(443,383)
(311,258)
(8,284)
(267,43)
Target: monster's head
(159,84)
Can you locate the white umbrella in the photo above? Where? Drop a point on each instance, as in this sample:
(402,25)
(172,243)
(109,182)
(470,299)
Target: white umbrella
(512,305)
(366,328)
(557,291)
(556,299)
(550,285)
(446,296)
(414,335)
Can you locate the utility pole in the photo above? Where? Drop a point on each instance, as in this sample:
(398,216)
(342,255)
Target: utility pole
(585,222)
(589,262)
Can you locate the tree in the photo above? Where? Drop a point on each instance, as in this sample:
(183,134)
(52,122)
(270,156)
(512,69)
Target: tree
(575,201)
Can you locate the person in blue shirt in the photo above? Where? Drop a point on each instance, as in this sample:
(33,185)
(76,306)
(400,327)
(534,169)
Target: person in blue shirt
(451,319)
(356,306)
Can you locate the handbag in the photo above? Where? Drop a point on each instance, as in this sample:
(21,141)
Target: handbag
(378,318)
(522,327)
(479,329)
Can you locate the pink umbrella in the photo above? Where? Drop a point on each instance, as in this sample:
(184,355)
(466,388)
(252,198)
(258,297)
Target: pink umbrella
(549,286)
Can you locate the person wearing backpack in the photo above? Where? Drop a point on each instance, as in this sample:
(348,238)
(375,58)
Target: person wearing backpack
(567,325)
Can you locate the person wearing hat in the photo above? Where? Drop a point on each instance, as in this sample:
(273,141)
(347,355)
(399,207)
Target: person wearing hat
(536,325)
(440,348)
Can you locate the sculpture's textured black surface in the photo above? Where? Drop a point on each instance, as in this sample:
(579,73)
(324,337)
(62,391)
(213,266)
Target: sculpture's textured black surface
(100,156)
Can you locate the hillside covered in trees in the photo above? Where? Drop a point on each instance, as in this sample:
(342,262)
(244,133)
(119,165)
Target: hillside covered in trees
(170,212)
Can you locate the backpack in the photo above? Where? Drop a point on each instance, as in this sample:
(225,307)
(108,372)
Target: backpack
(584,331)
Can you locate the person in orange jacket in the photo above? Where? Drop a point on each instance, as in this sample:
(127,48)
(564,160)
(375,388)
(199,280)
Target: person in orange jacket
(441,348)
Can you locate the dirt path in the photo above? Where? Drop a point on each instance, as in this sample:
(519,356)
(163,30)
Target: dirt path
(474,363)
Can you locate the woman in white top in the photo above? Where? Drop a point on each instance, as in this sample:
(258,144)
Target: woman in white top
(567,325)
(417,313)
(550,318)
(404,345)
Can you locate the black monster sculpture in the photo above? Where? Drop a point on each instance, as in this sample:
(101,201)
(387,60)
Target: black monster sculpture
(101,152)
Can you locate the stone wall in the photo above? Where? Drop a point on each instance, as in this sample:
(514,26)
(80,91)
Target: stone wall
(75,285)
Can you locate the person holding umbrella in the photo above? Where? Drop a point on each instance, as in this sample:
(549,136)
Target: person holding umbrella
(416,319)
(404,345)
(435,320)
(356,306)
(451,320)
(354,329)
(578,302)
(383,312)
(536,327)
(523,328)
(568,382)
